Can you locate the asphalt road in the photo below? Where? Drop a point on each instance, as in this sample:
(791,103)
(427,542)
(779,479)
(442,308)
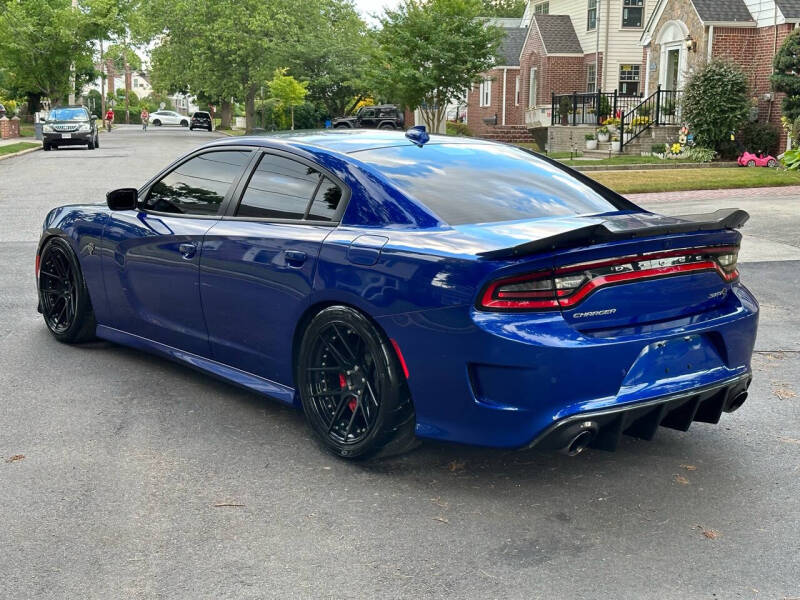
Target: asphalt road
(144,479)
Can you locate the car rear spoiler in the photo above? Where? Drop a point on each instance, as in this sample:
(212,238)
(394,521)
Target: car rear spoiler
(626,227)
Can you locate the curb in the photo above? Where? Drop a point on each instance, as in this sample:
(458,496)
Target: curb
(20,153)
(655,167)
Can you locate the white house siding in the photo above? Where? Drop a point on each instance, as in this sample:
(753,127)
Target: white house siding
(764,12)
(623,47)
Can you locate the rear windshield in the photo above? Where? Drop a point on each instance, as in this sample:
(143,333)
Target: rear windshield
(202,114)
(484,183)
(68,114)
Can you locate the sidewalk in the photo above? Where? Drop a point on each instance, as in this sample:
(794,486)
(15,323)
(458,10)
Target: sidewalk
(762,192)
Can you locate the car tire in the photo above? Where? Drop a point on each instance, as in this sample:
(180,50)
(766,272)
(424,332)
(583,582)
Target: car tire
(342,127)
(368,412)
(751,163)
(46,147)
(191,128)
(386,126)
(184,123)
(156,123)
(96,141)
(772,163)
(63,296)
(90,145)
(210,129)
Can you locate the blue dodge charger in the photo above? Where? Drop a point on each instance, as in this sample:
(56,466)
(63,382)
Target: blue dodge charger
(405,286)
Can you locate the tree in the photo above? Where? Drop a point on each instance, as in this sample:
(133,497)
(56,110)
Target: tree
(785,79)
(715,102)
(430,52)
(39,41)
(504,8)
(288,90)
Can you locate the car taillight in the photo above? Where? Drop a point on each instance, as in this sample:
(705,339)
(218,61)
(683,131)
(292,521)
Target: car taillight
(566,286)
(38,260)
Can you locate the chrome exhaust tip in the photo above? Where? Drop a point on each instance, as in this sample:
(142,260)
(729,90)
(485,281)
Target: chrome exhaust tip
(579,437)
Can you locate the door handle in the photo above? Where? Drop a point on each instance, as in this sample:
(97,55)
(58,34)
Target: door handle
(295,258)
(187,249)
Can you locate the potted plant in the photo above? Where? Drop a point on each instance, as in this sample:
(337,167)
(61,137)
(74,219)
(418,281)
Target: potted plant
(612,123)
(603,134)
(564,109)
(591,141)
(616,146)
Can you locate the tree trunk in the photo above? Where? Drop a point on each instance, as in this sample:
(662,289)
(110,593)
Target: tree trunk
(291,109)
(250,109)
(225,114)
(102,85)
(34,103)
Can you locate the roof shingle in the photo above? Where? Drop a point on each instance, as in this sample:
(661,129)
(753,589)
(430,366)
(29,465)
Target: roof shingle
(723,11)
(558,34)
(789,8)
(511,46)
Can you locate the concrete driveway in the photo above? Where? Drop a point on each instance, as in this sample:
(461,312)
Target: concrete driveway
(123,475)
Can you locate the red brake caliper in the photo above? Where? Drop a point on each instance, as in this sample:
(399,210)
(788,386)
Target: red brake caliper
(343,384)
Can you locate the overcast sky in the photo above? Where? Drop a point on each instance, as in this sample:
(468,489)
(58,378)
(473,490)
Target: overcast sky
(370,7)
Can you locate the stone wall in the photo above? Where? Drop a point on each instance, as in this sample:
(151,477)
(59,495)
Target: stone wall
(677,10)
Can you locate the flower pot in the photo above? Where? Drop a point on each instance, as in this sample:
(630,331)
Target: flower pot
(616,146)
(603,137)
(591,144)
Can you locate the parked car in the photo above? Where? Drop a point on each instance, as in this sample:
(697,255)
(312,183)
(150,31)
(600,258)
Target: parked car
(200,120)
(384,116)
(395,289)
(168,117)
(70,126)
(748,159)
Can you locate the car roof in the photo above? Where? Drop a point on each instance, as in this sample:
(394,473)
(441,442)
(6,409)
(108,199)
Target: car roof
(343,141)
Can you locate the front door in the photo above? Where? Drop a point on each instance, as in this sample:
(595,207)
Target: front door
(151,256)
(258,264)
(673,68)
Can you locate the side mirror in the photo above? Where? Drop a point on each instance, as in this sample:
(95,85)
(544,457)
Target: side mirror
(95,117)
(122,199)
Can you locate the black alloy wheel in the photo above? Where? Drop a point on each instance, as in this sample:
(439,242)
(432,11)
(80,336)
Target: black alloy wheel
(63,297)
(184,123)
(352,387)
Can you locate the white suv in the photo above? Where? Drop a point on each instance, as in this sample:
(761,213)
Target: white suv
(168,117)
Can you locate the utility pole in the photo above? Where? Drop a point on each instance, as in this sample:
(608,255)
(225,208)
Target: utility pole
(71,99)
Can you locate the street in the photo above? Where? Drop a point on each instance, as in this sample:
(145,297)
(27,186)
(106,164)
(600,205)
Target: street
(142,478)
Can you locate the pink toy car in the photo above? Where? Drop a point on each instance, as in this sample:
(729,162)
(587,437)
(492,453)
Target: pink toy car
(751,160)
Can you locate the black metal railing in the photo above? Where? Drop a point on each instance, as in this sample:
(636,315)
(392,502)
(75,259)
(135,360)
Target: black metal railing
(590,108)
(662,107)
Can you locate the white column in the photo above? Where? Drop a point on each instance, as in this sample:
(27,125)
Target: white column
(505,72)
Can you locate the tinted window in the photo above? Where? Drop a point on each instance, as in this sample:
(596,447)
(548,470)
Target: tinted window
(68,114)
(280,188)
(326,201)
(484,183)
(198,186)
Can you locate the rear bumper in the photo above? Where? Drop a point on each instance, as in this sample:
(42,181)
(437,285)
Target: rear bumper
(512,380)
(75,139)
(642,419)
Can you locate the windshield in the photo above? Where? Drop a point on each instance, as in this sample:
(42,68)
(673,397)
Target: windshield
(67,114)
(485,183)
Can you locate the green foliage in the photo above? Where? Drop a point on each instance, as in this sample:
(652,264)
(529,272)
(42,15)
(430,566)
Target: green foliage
(785,76)
(287,90)
(716,102)
(428,52)
(564,107)
(759,138)
(700,154)
(658,148)
(791,160)
(457,128)
(644,111)
(668,107)
(604,107)
(503,8)
(589,137)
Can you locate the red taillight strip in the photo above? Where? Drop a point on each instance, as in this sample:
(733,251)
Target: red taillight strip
(489,301)
(640,257)
(606,280)
(38,259)
(400,356)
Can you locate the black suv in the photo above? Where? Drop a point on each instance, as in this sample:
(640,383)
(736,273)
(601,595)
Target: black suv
(200,120)
(384,116)
(70,126)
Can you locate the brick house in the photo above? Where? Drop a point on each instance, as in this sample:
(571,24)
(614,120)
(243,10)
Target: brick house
(683,34)
(627,46)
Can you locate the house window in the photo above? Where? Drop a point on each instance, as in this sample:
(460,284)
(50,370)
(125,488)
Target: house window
(543,8)
(532,88)
(516,91)
(591,16)
(632,12)
(629,80)
(591,78)
(485,92)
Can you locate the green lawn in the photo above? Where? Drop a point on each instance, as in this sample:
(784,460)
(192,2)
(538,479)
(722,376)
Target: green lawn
(625,160)
(18,147)
(26,130)
(668,180)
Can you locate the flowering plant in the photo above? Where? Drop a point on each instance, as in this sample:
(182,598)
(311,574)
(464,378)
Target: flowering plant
(676,148)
